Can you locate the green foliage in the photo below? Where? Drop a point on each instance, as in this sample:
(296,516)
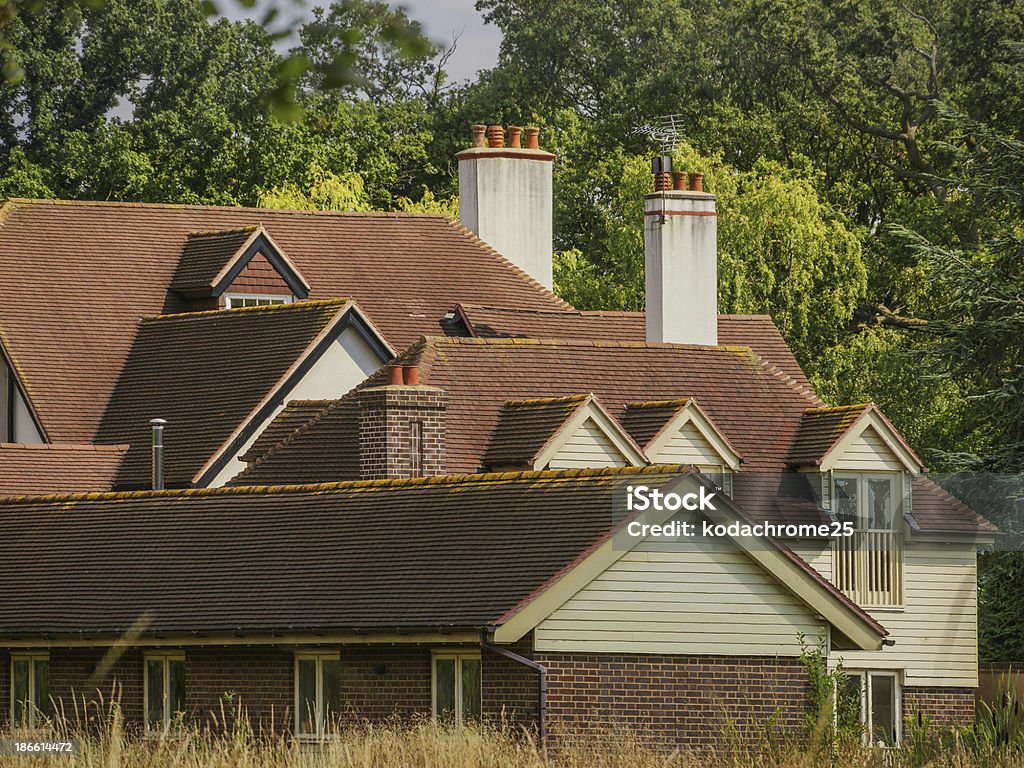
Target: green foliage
(833,711)
(325,191)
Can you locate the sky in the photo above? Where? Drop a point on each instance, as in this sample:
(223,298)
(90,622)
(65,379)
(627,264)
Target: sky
(441,19)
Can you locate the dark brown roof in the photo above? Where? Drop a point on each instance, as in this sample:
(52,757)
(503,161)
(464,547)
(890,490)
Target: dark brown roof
(292,416)
(644,421)
(205,373)
(755,331)
(207,253)
(440,552)
(527,426)
(434,553)
(78,277)
(480,375)
(55,467)
(820,429)
(935,509)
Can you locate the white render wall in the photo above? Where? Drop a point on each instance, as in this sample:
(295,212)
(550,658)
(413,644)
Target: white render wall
(505,198)
(681,267)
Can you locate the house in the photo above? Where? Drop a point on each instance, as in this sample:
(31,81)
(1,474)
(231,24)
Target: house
(414,495)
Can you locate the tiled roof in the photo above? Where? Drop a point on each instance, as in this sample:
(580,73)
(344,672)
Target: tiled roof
(54,467)
(755,331)
(386,556)
(207,253)
(440,552)
(935,509)
(644,421)
(480,375)
(527,426)
(78,277)
(292,416)
(820,429)
(205,373)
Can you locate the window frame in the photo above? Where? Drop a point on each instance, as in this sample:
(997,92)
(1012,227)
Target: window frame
(867,700)
(165,658)
(32,657)
(267,298)
(863,481)
(319,657)
(457,656)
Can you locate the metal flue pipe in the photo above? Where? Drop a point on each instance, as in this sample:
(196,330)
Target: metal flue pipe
(158,453)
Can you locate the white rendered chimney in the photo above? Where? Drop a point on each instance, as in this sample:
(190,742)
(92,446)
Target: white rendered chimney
(505,197)
(680,259)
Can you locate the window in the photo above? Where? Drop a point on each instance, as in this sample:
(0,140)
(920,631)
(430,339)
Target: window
(457,692)
(30,690)
(164,687)
(868,566)
(875,697)
(719,474)
(237,300)
(317,693)
(415,449)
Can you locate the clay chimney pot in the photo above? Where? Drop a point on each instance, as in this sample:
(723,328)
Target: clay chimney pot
(533,138)
(496,137)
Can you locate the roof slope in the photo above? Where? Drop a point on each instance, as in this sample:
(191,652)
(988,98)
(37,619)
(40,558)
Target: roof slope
(820,430)
(755,331)
(78,277)
(204,372)
(935,509)
(480,375)
(644,421)
(294,415)
(526,426)
(207,253)
(357,556)
(379,555)
(54,467)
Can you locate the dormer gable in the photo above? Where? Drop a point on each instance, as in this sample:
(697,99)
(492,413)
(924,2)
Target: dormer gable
(856,438)
(242,262)
(680,432)
(573,432)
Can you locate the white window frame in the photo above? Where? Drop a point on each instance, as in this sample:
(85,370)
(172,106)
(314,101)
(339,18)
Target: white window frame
(866,697)
(457,656)
(319,657)
(724,471)
(32,658)
(272,298)
(863,512)
(165,658)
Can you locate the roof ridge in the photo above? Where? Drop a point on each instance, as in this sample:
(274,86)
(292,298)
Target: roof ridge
(354,485)
(504,341)
(229,231)
(91,447)
(838,408)
(235,311)
(680,402)
(200,207)
(582,397)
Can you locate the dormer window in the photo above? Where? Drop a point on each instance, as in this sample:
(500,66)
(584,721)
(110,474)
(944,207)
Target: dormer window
(239,300)
(867,501)
(868,565)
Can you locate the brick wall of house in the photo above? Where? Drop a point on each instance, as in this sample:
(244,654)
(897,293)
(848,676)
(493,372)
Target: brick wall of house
(942,706)
(382,683)
(5,687)
(258,681)
(258,276)
(511,691)
(673,700)
(386,447)
(85,682)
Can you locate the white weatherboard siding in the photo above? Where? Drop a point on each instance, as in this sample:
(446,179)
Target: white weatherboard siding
(588,447)
(688,446)
(695,596)
(868,452)
(936,633)
(816,552)
(347,362)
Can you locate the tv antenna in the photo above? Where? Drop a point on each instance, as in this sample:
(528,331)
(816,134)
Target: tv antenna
(666,131)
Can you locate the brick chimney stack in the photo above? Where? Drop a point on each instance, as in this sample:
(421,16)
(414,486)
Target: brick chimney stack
(680,258)
(402,428)
(505,196)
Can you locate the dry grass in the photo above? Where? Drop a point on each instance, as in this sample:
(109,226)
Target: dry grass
(423,744)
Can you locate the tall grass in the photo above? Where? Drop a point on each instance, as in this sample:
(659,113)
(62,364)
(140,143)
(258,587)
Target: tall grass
(423,744)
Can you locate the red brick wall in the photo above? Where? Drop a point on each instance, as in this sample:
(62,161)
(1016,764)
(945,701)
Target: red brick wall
(258,276)
(511,691)
(84,697)
(672,699)
(259,679)
(942,706)
(382,683)
(5,687)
